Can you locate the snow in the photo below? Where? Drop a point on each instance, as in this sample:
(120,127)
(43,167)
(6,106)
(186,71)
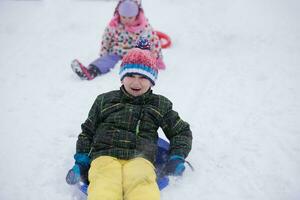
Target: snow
(232,73)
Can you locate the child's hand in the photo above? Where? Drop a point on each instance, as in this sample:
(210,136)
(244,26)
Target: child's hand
(175,166)
(82,163)
(73,175)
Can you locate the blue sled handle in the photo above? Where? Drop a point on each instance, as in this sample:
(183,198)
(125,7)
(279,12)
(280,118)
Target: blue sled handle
(162,182)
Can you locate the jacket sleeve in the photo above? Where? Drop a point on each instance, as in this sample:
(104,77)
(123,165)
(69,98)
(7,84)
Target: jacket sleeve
(178,132)
(107,40)
(84,141)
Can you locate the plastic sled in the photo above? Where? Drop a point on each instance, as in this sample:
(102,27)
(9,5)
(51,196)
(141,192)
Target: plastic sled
(164,39)
(160,161)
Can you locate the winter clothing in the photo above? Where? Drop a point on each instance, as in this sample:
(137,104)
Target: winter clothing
(143,43)
(123,126)
(83,72)
(118,38)
(105,63)
(175,166)
(82,159)
(137,2)
(82,164)
(128,8)
(120,135)
(160,63)
(139,23)
(138,61)
(73,175)
(111,178)
(137,26)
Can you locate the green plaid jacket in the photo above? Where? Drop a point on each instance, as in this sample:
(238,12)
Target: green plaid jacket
(125,127)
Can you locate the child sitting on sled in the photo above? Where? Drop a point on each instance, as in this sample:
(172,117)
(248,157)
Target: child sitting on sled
(127,26)
(118,141)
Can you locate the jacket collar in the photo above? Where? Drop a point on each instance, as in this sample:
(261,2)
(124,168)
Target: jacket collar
(139,100)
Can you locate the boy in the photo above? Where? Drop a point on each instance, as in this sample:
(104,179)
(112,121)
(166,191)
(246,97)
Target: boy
(120,136)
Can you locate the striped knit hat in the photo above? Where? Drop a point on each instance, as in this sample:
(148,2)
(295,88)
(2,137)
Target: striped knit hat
(141,62)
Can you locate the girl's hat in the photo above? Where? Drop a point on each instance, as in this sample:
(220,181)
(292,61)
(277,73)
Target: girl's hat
(141,62)
(128,8)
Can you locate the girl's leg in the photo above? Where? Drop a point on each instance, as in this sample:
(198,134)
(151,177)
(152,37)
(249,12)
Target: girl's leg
(139,180)
(106,63)
(105,176)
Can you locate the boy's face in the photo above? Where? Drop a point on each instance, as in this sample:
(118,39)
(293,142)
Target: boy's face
(136,85)
(127,21)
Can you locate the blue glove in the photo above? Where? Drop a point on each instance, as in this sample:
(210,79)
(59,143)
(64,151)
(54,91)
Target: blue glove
(73,175)
(175,166)
(82,163)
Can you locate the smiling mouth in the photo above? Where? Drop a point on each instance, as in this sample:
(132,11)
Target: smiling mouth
(135,89)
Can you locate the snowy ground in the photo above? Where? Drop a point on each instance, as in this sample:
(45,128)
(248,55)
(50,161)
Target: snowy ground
(233,73)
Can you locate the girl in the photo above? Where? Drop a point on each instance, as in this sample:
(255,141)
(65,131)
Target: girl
(127,26)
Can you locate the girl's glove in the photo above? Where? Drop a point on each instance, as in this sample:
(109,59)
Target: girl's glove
(82,163)
(175,166)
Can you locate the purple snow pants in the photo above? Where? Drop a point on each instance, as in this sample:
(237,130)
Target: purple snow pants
(105,63)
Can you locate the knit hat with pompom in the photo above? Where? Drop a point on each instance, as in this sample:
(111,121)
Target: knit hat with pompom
(140,62)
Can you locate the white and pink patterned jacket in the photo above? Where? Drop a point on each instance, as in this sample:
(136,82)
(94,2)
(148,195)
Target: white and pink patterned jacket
(118,38)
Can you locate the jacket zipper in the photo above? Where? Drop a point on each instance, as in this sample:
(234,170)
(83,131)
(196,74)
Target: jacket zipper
(90,152)
(137,128)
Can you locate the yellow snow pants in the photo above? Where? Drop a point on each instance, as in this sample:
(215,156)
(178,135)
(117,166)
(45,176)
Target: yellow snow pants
(114,179)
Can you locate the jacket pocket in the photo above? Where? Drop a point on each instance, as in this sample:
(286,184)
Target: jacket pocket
(124,139)
(103,140)
(106,139)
